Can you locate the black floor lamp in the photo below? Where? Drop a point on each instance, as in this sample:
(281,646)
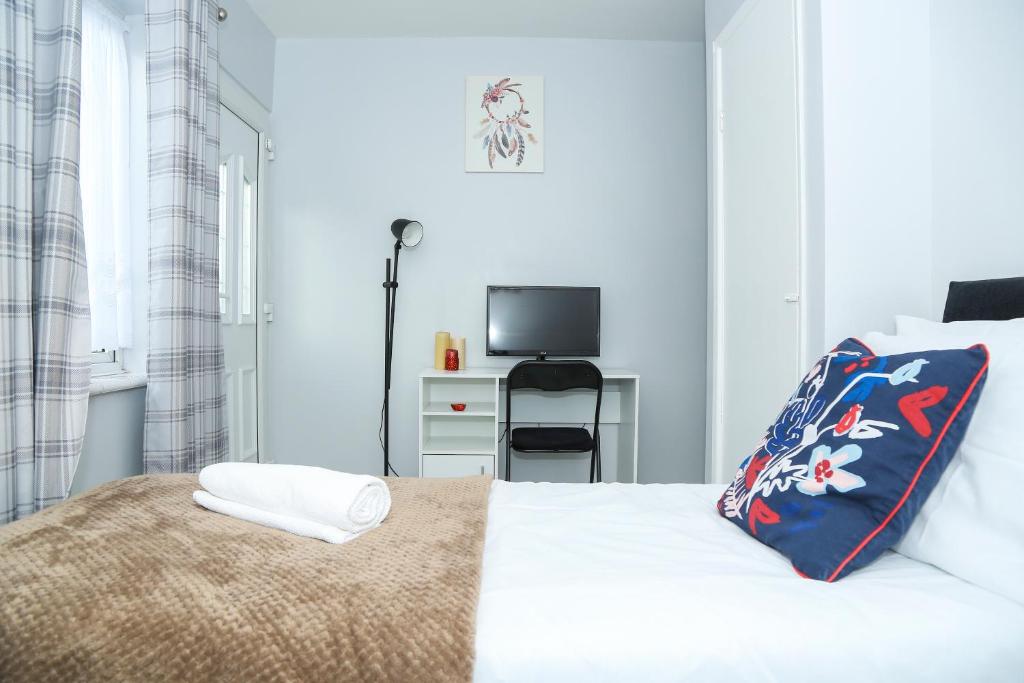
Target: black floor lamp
(407,234)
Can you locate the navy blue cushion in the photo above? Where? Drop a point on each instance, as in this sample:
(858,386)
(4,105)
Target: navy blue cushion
(854,454)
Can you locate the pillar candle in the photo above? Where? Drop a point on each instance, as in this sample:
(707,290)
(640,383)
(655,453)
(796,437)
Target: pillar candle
(442,341)
(459,344)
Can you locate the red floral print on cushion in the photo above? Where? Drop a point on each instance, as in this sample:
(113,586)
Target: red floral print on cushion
(760,512)
(754,468)
(912,407)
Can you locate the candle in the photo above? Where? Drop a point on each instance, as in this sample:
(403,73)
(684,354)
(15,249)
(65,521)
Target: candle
(442,340)
(459,344)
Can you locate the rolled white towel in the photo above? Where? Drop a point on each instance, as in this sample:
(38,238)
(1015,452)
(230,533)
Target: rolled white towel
(293,525)
(353,503)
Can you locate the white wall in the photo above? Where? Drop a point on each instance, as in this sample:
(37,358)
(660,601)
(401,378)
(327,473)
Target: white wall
(914,154)
(112,447)
(876,108)
(247,50)
(923,154)
(717,14)
(371,130)
(977,84)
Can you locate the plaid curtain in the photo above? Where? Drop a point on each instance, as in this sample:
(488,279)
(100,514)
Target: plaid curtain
(44,298)
(185,400)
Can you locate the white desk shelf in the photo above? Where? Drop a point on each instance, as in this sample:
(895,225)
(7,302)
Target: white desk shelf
(455,444)
(459,445)
(444,408)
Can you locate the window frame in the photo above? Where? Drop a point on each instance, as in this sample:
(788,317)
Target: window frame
(106,362)
(111,361)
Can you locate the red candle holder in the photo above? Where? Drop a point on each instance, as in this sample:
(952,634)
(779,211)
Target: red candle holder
(451,359)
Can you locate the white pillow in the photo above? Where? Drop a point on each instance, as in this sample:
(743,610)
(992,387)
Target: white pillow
(971,525)
(909,325)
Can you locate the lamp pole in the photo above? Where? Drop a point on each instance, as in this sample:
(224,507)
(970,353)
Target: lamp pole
(390,295)
(407,233)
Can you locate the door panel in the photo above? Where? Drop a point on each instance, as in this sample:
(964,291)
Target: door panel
(757,227)
(239,185)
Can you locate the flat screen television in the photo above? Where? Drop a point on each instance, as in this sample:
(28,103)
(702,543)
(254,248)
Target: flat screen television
(543,321)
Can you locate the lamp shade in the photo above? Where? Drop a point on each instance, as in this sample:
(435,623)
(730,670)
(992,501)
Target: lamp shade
(408,232)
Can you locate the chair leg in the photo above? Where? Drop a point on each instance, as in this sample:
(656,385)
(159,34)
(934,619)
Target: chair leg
(591,466)
(597,456)
(508,459)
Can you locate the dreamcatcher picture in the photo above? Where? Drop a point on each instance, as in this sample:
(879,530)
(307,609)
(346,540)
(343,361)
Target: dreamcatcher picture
(504,120)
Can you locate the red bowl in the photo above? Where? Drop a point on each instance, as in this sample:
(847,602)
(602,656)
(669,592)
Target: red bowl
(458,407)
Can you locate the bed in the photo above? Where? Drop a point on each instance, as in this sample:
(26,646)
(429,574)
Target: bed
(627,582)
(473,579)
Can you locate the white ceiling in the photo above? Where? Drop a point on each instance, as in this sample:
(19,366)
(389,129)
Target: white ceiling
(624,19)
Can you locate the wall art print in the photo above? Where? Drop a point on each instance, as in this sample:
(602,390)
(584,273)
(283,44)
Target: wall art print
(505,124)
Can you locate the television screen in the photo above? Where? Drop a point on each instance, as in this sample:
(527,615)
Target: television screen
(543,321)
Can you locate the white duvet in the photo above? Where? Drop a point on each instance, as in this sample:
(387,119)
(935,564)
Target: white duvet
(621,582)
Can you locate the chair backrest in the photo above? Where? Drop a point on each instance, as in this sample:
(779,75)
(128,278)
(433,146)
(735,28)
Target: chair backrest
(554,375)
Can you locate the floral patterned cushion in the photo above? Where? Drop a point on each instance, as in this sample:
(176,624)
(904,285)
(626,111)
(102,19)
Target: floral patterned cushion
(854,454)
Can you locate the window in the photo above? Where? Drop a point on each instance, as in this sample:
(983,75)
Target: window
(104,175)
(245,275)
(236,243)
(106,362)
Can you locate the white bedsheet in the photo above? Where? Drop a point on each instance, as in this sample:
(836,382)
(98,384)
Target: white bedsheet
(622,582)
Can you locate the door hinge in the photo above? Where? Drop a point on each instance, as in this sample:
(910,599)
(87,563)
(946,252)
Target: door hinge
(269,144)
(791,298)
(721,122)
(268,313)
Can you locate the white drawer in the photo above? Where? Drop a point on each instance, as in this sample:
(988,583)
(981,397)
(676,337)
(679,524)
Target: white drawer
(443,465)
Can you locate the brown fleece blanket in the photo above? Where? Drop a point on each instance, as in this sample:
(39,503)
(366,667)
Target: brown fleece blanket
(132,581)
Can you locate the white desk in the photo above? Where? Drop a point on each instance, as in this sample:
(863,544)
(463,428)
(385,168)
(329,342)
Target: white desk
(457,444)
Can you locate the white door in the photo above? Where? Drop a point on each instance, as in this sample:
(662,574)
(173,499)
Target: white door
(239,186)
(756,233)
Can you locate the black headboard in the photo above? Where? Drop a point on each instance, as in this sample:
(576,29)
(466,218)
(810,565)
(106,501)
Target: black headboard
(1001,299)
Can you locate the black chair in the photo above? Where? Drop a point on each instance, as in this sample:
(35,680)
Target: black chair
(553,375)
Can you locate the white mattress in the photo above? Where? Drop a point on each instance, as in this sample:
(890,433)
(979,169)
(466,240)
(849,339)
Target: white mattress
(622,582)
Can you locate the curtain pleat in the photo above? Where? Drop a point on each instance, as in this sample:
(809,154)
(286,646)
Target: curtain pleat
(44,299)
(185,401)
